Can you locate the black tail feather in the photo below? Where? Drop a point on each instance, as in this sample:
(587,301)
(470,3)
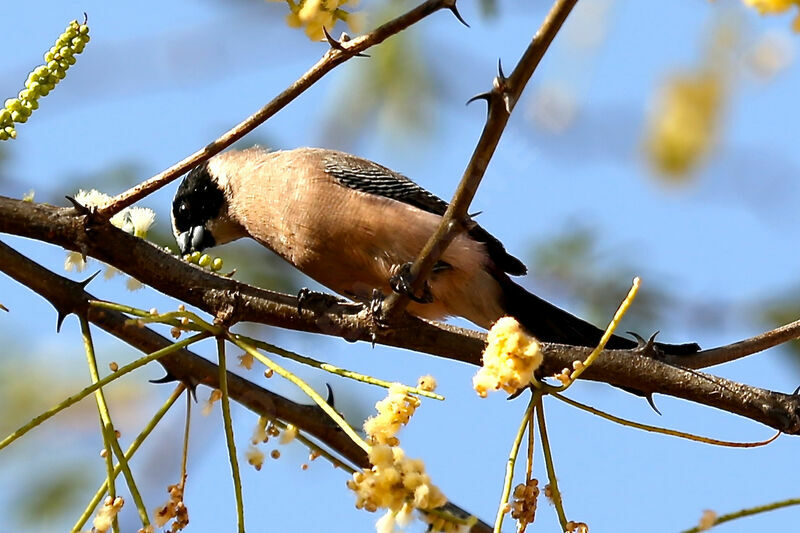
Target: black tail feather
(548,323)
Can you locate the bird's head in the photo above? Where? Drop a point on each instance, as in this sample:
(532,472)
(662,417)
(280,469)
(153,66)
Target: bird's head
(200,216)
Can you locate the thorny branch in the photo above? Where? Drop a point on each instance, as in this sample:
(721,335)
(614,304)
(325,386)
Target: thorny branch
(237,301)
(334,57)
(69,297)
(501,99)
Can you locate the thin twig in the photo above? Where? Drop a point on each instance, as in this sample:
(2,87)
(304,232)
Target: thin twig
(102,410)
(226,417)
(310,392)
(332,58)
(512,460)
(612,326)
(555,494)
(109,433)
(663,431)
(505,93)
(737,350)
(333,369)
(749,512)
(140,438)
(75,398)
(185,452)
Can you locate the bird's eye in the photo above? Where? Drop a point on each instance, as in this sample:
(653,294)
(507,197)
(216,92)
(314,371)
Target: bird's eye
(183,208)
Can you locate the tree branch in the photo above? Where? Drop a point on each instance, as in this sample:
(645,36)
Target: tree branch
(69,296)
(334,57)
(235,301)
(501,100)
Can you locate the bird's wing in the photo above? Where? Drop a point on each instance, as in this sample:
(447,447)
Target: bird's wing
(368,177)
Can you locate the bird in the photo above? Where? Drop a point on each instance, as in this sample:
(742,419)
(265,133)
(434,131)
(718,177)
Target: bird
(354,226)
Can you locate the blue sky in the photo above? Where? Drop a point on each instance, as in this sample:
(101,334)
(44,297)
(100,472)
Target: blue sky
(158,80)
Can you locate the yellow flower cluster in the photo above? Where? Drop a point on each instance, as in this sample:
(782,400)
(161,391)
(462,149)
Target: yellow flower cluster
(174,510)
(509,359)
(776,6)
(683,125)
(314,15)
(394,412)
(523,508)
(394,481)
(43,78)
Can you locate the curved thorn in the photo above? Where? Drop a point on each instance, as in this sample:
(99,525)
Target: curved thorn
(796,391)
(4,308)
(475,214)
(60,320)
(79,207)
(454,10)
(482,96)
(649,398)
(500,70)
(329,399)
(88,280)
(167,378)
(331,41)
(337,45)
(639,339)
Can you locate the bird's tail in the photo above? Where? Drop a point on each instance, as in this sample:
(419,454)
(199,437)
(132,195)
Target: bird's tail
(548,323)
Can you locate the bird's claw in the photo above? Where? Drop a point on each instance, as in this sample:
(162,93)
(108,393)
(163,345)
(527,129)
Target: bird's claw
(402,281)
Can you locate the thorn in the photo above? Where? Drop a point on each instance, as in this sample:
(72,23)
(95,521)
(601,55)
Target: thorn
(168,378)
(649,398)
(79,207)
(4,308)
(476,213)
(639,339)
(500,74)
(796,391)
(337,45)
(329,397)
(88,280)
(647,347)
(454,10)
(482,96)
(60,320)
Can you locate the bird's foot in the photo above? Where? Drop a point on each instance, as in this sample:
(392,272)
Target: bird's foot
(402,281)
(306,298)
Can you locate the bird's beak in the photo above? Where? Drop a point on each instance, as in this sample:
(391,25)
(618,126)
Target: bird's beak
(194,239)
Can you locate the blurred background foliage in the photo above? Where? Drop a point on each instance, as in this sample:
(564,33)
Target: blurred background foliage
(401,95)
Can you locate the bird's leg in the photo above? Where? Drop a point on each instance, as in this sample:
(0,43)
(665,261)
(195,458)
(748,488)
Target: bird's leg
(401,282)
